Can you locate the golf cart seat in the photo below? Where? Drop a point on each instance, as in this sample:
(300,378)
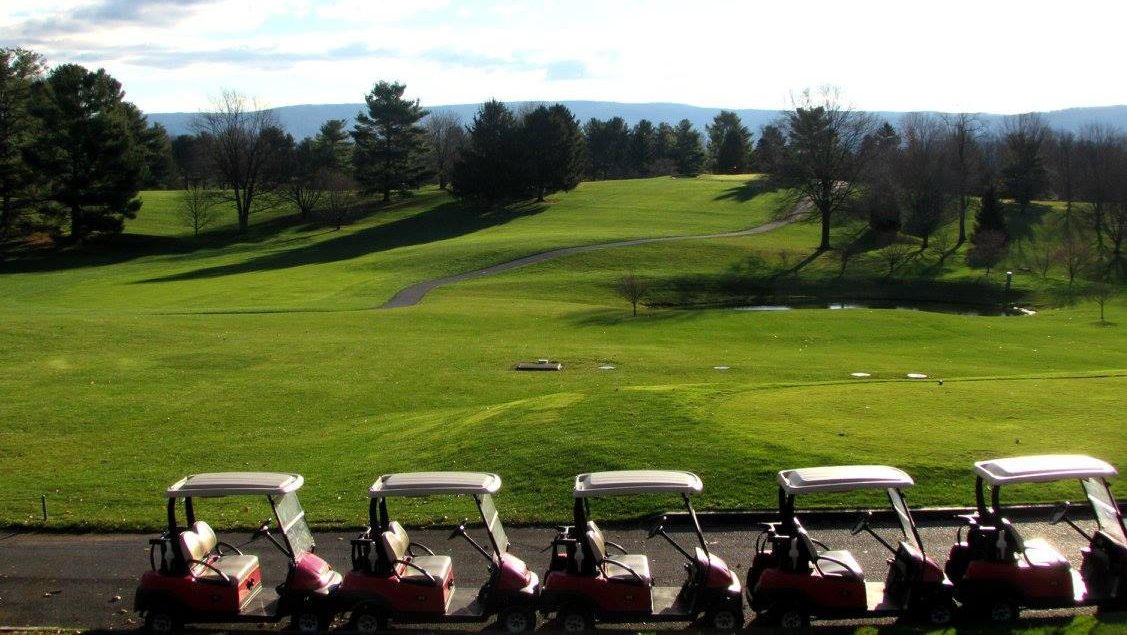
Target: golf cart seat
(840,563)
(205,565)
(1041,554)
(632,568)
(428,569)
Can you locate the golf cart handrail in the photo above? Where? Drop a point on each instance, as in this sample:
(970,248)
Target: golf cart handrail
(217,484)
(843,478)
(435,484)
(1042,468)
(635,482)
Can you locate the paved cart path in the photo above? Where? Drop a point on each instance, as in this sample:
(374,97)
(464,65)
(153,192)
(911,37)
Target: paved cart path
(87,580)
(413,294)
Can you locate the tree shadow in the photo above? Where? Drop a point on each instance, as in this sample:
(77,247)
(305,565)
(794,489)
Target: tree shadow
(749,190)
(448,220)
(1023,226)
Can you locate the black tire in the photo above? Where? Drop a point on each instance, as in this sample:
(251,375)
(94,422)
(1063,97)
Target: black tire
(309,620)
(938,613)
(161,619)
(789,616)
(726,620)
(574,619)
(1002,611)
(517,619)
(368,619)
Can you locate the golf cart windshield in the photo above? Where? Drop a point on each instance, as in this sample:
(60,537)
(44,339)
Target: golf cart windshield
(904,517)
(291,521)
(493,524)
(1105,509)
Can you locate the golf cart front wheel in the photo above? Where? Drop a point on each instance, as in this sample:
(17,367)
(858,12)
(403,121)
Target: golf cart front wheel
(790,616)
(368,620)
(574,620)
(1002,611)
(939,613)
(517,619)
(725,620)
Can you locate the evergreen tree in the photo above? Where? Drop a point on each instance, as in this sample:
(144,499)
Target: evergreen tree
(333,144)
(688,153)
(88,150)
(554,150)
(729,144)
(770,150)
(643,147)
(989,217)
(20,69)
(390,151)
(488,171)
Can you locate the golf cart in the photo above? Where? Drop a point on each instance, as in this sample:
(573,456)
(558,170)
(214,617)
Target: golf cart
(996,571)
(794,577)
(197,578)
(587,583)
(395,579)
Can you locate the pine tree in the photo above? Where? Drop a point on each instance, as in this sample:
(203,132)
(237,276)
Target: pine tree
(19,70)
(729,144)
(989,216)
(554,150)
(488,170)
(390,150)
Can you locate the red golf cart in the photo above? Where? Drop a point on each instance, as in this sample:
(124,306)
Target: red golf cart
(395,579)
(794,577)
(197,578)
(587,583)
(997,571)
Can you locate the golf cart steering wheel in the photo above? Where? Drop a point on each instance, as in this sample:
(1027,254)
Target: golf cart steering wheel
(861,525)
(460,530)
(1059,514)
(263,530)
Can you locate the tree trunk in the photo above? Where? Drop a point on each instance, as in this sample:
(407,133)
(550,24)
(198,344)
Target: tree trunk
(825,246)
(962,221)
(75,224)
(386,194)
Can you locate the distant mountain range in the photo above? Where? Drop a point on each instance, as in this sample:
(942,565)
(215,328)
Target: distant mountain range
(303,121)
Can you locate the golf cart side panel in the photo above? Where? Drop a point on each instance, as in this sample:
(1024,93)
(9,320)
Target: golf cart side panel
(401,597)
(311,574)
(196,595)
(824,594)
(607,596)
(1036,586)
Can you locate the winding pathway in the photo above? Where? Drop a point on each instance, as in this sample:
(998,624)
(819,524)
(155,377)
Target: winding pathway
(412,295)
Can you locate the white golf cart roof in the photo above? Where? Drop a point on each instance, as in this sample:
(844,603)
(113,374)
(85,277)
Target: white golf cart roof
(434,483)
(842,478)
(235,484)
(1041,468)
(629,482)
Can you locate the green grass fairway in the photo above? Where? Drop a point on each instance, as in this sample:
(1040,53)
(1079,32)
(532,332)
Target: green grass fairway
(122,372)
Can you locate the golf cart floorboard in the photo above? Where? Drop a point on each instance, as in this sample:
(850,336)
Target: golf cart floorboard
(668,604)
(877,601)
(464,605)
(259,606)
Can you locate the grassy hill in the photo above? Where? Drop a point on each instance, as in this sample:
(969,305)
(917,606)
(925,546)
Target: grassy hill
(125,369)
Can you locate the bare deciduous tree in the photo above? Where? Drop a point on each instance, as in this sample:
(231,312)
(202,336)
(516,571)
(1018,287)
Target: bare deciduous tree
(1074,254)
(446,136)
(988,249)
(1101,292)
(339,193)
(238,132)
(826,153)
(895,254)
(1042,255)
(632,289)
(923,175)
(198,207)
(964,132)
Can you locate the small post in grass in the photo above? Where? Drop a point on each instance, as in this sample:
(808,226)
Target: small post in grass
(43,502)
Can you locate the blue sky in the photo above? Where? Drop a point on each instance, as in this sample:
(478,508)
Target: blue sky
(990,55)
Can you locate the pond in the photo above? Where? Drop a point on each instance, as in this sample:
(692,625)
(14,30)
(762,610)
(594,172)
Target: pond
(903,305)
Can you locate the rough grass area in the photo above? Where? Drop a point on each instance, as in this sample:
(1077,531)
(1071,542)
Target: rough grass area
(123,370)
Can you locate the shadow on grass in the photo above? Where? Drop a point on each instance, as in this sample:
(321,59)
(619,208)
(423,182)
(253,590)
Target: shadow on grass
(749,190)
(615,317)
(445,221)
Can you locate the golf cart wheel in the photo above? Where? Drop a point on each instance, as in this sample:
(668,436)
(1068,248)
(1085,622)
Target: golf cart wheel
(790,616)
(161,620)
(573,619)
(938,613)
(368,619)
(726,620)
(1002,611)
(308,620)
(517,619)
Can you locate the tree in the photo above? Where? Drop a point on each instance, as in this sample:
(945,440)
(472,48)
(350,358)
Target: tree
(198,206)
(607,148)
(963,131)
(987,249)
(1074,255)
(1024,176)
(688,153)
(770,149)
(895,254)
(306,161)
(340,195)
(878,200)
(240,138)
(1101,292)
(665,141)
(1063,168)
(1099,149)
(20,69)
(87,149)
(390,154)
(632,289)
(445,136)
(643,147)
(554,150)
(989,216)
(826,154)
(334,143)
(729,144)
(488,171)
(923,175)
